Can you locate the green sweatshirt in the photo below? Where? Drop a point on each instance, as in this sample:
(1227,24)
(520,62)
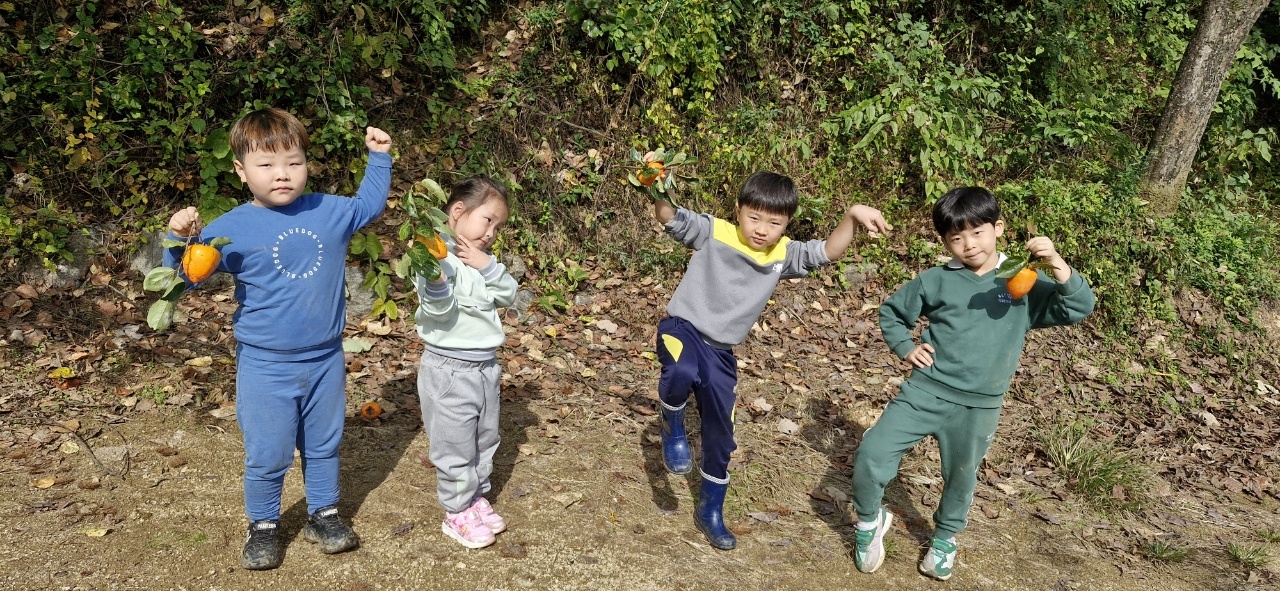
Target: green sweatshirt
(976,329)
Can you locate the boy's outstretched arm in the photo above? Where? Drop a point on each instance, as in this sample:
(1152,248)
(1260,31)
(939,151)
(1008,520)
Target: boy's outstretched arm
(840,238)
(663,210)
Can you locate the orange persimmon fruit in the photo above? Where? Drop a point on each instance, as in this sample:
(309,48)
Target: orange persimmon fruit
(371,410)
(435,245)
(652,172)
(1020,284)
(200,261)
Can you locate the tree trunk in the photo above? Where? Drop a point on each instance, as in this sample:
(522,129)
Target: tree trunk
(1219,34)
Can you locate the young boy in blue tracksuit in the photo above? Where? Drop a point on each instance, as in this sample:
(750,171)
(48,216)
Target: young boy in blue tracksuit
(961,368)
(731,275)
(287,253)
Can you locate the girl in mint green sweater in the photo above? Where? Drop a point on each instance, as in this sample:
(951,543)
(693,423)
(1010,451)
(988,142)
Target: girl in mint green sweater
(961,367)
(459,375)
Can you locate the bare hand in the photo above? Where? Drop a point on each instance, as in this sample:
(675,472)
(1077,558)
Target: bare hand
(377,140)
(1042,247)
(921,356)
(870,218)
(470,254)
(185,222)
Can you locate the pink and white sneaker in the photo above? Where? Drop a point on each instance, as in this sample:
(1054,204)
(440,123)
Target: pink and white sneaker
(467,529)
(490,517)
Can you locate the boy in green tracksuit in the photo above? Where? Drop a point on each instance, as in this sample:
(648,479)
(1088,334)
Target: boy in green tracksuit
(960,369)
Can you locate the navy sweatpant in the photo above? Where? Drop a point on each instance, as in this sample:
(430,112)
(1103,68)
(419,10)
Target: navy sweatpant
(689,364)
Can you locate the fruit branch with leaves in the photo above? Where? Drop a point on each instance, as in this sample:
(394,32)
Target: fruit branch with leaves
(658,173)
(198,262)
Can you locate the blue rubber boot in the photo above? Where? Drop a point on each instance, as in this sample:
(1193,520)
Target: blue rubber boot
(675,445)
(709,516)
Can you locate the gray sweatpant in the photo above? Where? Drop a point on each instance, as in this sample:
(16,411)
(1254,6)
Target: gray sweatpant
(460,413)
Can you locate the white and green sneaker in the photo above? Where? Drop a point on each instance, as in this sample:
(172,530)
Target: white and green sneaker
(868,553)
(940,559)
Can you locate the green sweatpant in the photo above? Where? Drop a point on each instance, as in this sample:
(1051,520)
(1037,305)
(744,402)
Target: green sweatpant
(964,433)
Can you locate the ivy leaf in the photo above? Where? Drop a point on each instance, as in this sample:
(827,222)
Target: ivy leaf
(218,143)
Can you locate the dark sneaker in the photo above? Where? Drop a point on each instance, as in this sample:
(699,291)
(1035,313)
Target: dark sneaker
(261,548)
(327,529)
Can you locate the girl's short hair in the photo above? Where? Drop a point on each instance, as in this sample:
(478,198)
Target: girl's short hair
(474,192)
(268,130)
(963,208)
(770,192)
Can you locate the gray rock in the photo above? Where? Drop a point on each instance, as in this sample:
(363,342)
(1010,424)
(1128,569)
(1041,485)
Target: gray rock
(524,299)
(858,275)
(516,267)
(67,274)
(148,254)
(359,298)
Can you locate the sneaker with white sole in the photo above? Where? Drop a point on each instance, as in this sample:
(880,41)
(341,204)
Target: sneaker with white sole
(940,559)
(467,529)
(491,519)
(868,553)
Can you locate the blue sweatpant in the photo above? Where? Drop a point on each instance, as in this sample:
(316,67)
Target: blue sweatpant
(283,405)
(690,365)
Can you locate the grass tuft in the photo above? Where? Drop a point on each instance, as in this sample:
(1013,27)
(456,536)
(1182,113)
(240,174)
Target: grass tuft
(1107,478)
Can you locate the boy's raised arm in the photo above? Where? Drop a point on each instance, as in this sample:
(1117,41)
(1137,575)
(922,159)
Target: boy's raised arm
(840,238)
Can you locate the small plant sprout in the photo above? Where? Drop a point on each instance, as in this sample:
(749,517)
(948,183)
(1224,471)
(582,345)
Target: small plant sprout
(657,171)
(1270,535)
(1248,555)
(1164,552)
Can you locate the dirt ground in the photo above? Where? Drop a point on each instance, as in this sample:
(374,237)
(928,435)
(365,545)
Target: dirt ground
(105,491)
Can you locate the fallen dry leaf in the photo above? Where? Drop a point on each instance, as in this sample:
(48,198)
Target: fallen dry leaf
(788,427)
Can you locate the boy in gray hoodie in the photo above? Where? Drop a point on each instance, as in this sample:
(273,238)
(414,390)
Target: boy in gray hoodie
(731,276)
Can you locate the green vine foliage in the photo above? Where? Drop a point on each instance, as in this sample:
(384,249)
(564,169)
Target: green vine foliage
(122,108)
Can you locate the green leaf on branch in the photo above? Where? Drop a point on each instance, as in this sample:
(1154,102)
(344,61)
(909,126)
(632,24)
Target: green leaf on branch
(1010,267)
(175,290)
(435,190)
(160,279)
(171,243)
(220,242)
(160,315)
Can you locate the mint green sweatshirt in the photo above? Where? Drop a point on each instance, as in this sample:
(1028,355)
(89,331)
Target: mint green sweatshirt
(976,329)
(458,317)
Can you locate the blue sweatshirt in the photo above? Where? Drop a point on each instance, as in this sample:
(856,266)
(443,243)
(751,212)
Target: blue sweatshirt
(289,265)
(728,283)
